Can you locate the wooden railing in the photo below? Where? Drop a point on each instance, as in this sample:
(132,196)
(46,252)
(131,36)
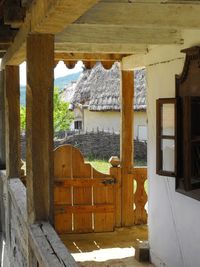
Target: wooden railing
(139,198)
(47,248)
(36,245)
(140,195)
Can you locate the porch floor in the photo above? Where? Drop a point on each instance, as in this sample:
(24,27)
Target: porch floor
(107,249)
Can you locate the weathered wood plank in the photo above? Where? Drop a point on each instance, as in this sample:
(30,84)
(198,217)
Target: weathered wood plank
(144,14)
(45,17)
(126,145)
(39,128)
(48,248)
(2,122)
(12,111)
(109,34)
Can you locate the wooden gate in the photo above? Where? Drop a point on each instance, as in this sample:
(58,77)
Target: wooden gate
(84,198)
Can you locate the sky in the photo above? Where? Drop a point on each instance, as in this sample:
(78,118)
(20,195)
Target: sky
(59,71)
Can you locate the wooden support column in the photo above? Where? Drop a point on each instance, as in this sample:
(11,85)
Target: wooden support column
(12,137)
(12,121)
(2,122)
(126,146)
(39,101)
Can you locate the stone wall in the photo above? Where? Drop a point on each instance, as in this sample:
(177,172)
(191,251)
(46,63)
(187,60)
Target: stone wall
(98,145)
(102,145)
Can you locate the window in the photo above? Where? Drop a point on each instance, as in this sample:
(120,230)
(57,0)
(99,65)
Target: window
(178,129)
(78,125)
(165,164)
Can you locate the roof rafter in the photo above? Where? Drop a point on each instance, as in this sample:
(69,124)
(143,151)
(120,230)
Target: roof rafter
(45,17)
(144,14)
(109,34)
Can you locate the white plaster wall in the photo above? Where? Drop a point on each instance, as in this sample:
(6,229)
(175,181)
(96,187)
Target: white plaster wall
(110,121)
(174,219)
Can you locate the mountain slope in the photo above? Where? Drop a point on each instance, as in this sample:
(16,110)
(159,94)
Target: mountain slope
(59,83)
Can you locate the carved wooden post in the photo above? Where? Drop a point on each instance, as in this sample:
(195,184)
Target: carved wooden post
(39,101)
(2,122)
(126,146)
(12,119)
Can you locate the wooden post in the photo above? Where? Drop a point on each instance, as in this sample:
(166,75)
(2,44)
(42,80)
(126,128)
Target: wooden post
(126,146)
(39,131)
(12,121)
(12,137)
(2,122)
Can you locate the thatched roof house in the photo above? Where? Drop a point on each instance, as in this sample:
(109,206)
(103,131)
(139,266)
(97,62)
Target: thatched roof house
(99,89)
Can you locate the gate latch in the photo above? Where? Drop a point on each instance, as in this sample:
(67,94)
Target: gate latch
(109,181)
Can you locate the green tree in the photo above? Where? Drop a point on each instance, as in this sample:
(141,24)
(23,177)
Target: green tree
(61,115)
(23,118)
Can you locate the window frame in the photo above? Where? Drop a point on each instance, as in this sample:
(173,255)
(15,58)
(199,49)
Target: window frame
(159,137)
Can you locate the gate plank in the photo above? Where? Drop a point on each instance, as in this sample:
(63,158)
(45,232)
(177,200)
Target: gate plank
(103,222)
(63,169)
(81,195)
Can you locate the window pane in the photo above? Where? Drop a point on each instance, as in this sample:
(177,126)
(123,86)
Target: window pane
(168,123)
(168,150)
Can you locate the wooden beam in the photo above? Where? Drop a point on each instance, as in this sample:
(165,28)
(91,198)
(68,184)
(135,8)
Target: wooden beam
(2,54)
(39,151)
(141,15)
(126,146)
(101,48)
(3,47)
(2,122)
(13,13)
(6,34)
(88,57)
(45,17)
(12,111)
(109,34)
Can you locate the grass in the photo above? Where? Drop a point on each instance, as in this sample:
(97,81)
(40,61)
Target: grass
(100,165)
(103,166)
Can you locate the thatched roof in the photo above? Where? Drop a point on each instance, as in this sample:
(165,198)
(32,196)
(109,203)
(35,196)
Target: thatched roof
(99,89)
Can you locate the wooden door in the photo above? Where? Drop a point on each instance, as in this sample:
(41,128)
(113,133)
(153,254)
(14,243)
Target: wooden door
(84,198)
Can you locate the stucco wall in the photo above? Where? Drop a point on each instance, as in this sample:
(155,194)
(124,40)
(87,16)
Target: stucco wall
(110,121)
(174,228)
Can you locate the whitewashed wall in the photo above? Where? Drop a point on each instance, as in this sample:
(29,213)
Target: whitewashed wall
(174,219)
(110,120)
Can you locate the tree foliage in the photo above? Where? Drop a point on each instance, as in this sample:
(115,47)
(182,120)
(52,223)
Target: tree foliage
(23,118)
(61,115)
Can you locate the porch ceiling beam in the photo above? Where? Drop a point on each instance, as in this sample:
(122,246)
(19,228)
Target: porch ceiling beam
(45,17)
(3,47)
(13,13)
(89,57)
(117,34)
(100,48)
(183,16)
(6,35)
